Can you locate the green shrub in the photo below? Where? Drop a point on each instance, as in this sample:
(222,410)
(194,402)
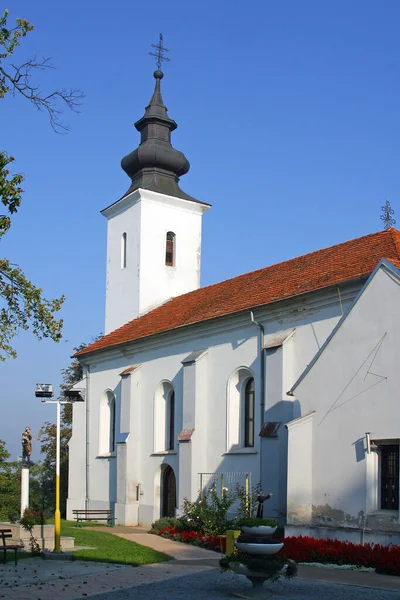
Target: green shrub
(165,522)
(209,514)
(28,521)
(247,507)
(31,518)
(254,522)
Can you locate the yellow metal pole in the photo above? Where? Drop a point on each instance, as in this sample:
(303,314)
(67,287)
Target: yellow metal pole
(57,516)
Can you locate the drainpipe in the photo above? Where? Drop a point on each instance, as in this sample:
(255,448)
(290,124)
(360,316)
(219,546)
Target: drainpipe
(262,379)
(87,398)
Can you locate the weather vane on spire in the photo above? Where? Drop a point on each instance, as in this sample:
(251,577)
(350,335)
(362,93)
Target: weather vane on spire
(387,215)
(159,54)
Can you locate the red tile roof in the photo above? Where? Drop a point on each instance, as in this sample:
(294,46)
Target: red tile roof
(307,273)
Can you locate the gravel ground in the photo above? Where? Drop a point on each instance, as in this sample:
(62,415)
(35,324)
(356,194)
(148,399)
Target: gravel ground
(215,585)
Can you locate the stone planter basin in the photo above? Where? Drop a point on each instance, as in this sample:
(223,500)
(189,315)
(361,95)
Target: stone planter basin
(265,549)
(262,530)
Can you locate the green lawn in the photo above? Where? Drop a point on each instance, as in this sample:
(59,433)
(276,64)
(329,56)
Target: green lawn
(108,547)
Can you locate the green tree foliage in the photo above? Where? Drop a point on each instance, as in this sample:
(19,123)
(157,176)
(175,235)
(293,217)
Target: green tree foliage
(23,303)
(71,375)
(10,487)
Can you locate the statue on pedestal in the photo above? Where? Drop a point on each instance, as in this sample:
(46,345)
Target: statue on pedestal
(27,446)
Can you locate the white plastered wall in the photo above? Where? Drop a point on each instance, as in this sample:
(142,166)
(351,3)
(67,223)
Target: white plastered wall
(146,281)
(353,388)
(232,343)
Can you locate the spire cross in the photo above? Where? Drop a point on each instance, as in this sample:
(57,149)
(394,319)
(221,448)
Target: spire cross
(160,52)
(387,215)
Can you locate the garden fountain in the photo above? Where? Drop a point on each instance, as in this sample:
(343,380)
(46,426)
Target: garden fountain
(256,557)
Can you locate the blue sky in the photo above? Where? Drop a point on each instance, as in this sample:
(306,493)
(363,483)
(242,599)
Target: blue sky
(288,112)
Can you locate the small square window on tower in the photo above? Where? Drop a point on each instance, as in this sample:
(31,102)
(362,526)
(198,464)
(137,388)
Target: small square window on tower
(170,249)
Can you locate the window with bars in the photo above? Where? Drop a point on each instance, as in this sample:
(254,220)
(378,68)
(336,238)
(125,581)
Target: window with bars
(390,477)
(170,249)
(249,414)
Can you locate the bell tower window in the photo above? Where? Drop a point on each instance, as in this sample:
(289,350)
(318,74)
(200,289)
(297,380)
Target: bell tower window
(170,249)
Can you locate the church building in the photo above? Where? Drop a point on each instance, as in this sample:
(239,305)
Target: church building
(287,374)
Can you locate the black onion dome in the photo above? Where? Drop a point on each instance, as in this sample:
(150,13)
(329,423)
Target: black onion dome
(155,164)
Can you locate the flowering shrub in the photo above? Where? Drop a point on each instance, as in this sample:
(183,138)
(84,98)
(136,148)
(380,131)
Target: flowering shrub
(209,514)
(384,559)
(196,538)
(31,518)
(28,521)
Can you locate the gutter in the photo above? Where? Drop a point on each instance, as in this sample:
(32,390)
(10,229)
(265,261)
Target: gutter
(261,354)
(87,426)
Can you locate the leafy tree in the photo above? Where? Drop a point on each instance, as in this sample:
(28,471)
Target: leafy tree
(24,305)
(10,493)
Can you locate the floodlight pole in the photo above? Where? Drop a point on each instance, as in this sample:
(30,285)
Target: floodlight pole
(57,515)
(46,391)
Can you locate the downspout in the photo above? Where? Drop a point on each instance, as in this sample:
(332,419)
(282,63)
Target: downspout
(261,353)
(87,437)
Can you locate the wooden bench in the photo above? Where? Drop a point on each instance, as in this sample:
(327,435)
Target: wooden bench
(4,535)
(94,515)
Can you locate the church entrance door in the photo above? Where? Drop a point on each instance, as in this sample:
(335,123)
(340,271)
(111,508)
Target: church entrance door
(168,493)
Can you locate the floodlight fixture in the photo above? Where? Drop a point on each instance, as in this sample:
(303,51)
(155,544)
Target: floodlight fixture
(75,395)
(44,390)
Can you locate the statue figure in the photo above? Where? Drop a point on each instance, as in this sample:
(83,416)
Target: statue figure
(27,445)
(261,498)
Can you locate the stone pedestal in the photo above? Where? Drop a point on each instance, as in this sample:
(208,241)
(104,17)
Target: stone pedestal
(24,487)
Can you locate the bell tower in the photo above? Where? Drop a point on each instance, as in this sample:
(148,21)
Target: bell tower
(154,230)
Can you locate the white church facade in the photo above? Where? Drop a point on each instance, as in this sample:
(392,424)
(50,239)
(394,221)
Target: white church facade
(190,380)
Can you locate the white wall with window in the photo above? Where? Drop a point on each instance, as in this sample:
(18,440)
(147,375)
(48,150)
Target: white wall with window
(240,410)
(164,417)
(352,389)
(107,422)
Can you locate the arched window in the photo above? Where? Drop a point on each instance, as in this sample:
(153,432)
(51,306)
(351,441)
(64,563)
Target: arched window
(171,422)
(170,249)
(123,251)
(107,424)
(240,410)
(164,418)
(249,414)
(112,425)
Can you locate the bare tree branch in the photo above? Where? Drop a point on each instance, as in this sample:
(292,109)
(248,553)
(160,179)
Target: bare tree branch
(20,81)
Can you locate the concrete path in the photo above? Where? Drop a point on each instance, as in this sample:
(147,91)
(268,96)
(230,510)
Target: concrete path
(191,575)
(181,552)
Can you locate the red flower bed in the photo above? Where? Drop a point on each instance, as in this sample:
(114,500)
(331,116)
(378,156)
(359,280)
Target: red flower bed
(385,559)
(211,542)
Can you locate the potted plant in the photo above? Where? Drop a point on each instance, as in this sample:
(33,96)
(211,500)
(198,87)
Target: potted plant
(259,527)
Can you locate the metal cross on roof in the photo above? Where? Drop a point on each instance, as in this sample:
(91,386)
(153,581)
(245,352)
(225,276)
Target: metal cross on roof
(387,215)
(160,52)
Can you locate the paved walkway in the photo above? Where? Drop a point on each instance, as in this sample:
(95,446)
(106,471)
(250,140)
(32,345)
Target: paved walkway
(194,569)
